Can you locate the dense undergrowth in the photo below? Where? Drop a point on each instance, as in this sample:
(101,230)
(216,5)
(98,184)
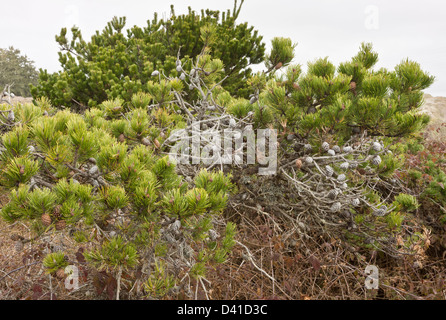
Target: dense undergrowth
(355,182)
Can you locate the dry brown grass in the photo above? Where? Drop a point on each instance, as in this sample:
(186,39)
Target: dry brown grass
(22,274)
(319,268)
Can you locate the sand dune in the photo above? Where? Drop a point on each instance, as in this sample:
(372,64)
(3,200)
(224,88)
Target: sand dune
(435,107)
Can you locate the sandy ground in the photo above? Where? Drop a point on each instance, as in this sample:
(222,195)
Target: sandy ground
(435,107)
(18,100)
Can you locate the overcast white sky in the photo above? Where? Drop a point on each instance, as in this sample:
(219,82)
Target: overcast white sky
(335,28)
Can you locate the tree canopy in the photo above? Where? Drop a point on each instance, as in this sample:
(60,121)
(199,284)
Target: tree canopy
(115,64)
(17,70)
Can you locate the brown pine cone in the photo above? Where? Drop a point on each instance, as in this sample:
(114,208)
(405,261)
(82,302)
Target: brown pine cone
(157,143)
(296,86)
(278,66)
(46,219)
(60,225)
(298,163)
(60,273)
(352,85)
(56,211)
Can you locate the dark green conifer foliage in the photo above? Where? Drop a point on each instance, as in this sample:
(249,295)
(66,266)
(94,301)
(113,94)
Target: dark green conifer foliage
(105,172)
(118,63)
(345,100)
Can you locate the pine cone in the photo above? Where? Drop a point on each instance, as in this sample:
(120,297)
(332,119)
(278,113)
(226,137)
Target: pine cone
(331,152)
(46,219)
(355,202)
(309,160)
(60,273)
(60,225)
(376,146)
(332,194)
(157,143)
(341,177)
(298,163)
(121,137)
(336,207)
(308,147)
(376,160)
(296,86)
(325,146)
(329,171)
(344,166)
(347,149)
(252,99)
(56,211)
(93,170)
(336,149)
